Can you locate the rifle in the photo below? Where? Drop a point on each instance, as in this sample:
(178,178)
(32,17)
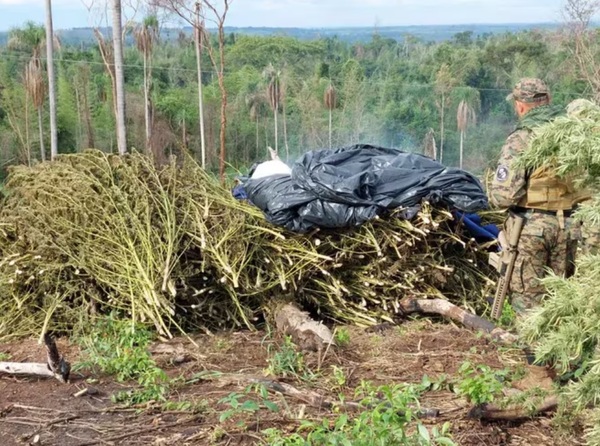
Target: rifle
(505,264)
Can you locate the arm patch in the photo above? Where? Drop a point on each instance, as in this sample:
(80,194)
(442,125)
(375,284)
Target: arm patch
(502,174)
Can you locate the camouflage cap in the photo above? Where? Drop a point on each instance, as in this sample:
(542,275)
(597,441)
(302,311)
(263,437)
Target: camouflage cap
(529,90)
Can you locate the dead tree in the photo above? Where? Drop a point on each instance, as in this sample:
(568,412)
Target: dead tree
(56,367)
(188,11)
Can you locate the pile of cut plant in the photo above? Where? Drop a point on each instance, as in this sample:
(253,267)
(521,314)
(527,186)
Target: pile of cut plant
(565,330)
(170,247)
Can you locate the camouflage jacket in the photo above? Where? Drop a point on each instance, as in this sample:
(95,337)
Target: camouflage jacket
(509,185)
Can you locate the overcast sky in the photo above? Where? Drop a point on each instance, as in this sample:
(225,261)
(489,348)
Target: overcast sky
(320,13)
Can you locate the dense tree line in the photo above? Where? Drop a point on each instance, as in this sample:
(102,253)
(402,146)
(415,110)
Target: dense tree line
(291,94)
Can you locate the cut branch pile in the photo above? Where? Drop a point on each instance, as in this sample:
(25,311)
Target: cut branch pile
(170,247)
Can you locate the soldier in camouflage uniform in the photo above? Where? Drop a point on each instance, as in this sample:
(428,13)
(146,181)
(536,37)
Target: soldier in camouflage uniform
(549,236)
(590,235)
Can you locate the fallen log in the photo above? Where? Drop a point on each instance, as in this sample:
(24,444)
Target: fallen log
(490,412)
(306,333)
(56,367)
(453,312)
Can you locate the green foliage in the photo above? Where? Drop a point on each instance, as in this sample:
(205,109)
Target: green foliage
(254,399)
(480,384)
(530,400)
(338,377)
(592,434)
(508,316)
(388,418)
(564,330)
(342,337)
(115,347)
(4,356)
(386,90)
(568,144)
(287,361)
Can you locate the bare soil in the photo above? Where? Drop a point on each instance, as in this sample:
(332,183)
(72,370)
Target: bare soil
(46,412)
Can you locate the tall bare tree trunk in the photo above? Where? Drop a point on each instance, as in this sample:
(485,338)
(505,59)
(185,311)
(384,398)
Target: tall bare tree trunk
(462,138)
(198,44)
(256,152)
(184,133)
(330,126)
(285,138)
(442,127)
(276,130)
(88,118)
(221,76)
(330,101)
(108,59)
(79,119)
(267,135)
(117,30)
(27,138)
(41,129)
(51,80)
(147,103)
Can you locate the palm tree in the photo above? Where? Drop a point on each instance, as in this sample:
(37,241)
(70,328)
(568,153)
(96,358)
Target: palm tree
(51,80)
(286,80)
(146,35)
(30,39)
(117,31)
(36,90)
(465,116)
(444,84)
(330,100)
(274,95)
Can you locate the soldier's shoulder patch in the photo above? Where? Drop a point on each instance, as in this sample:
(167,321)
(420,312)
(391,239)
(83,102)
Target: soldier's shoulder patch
(501,173)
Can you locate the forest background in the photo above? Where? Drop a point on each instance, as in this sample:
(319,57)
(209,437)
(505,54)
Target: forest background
(294,90)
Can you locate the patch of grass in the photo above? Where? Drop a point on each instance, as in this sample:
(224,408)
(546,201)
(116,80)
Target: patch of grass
(5,356)
(254,399)
(286,361)
(223,345)
(115,347)
(387,419)
(185,406)
(342,337)
(480,384)
(508,316)
(436,385)
(338,377)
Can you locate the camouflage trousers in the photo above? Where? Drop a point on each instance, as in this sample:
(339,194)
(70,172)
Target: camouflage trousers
(546,243)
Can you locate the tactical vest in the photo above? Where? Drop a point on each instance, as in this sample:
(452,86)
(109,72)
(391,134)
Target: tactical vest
(546,190)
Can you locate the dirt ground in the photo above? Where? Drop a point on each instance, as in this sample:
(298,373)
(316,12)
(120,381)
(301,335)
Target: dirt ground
(46,412)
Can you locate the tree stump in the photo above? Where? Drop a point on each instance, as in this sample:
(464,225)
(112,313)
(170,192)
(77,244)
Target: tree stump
(306,333)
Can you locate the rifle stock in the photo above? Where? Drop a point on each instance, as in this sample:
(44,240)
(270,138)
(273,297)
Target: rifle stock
(506,268)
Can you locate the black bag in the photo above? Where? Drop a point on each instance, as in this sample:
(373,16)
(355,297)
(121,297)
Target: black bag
(348,186)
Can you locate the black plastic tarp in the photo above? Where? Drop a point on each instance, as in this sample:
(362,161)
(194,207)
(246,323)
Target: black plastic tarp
(348,186)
